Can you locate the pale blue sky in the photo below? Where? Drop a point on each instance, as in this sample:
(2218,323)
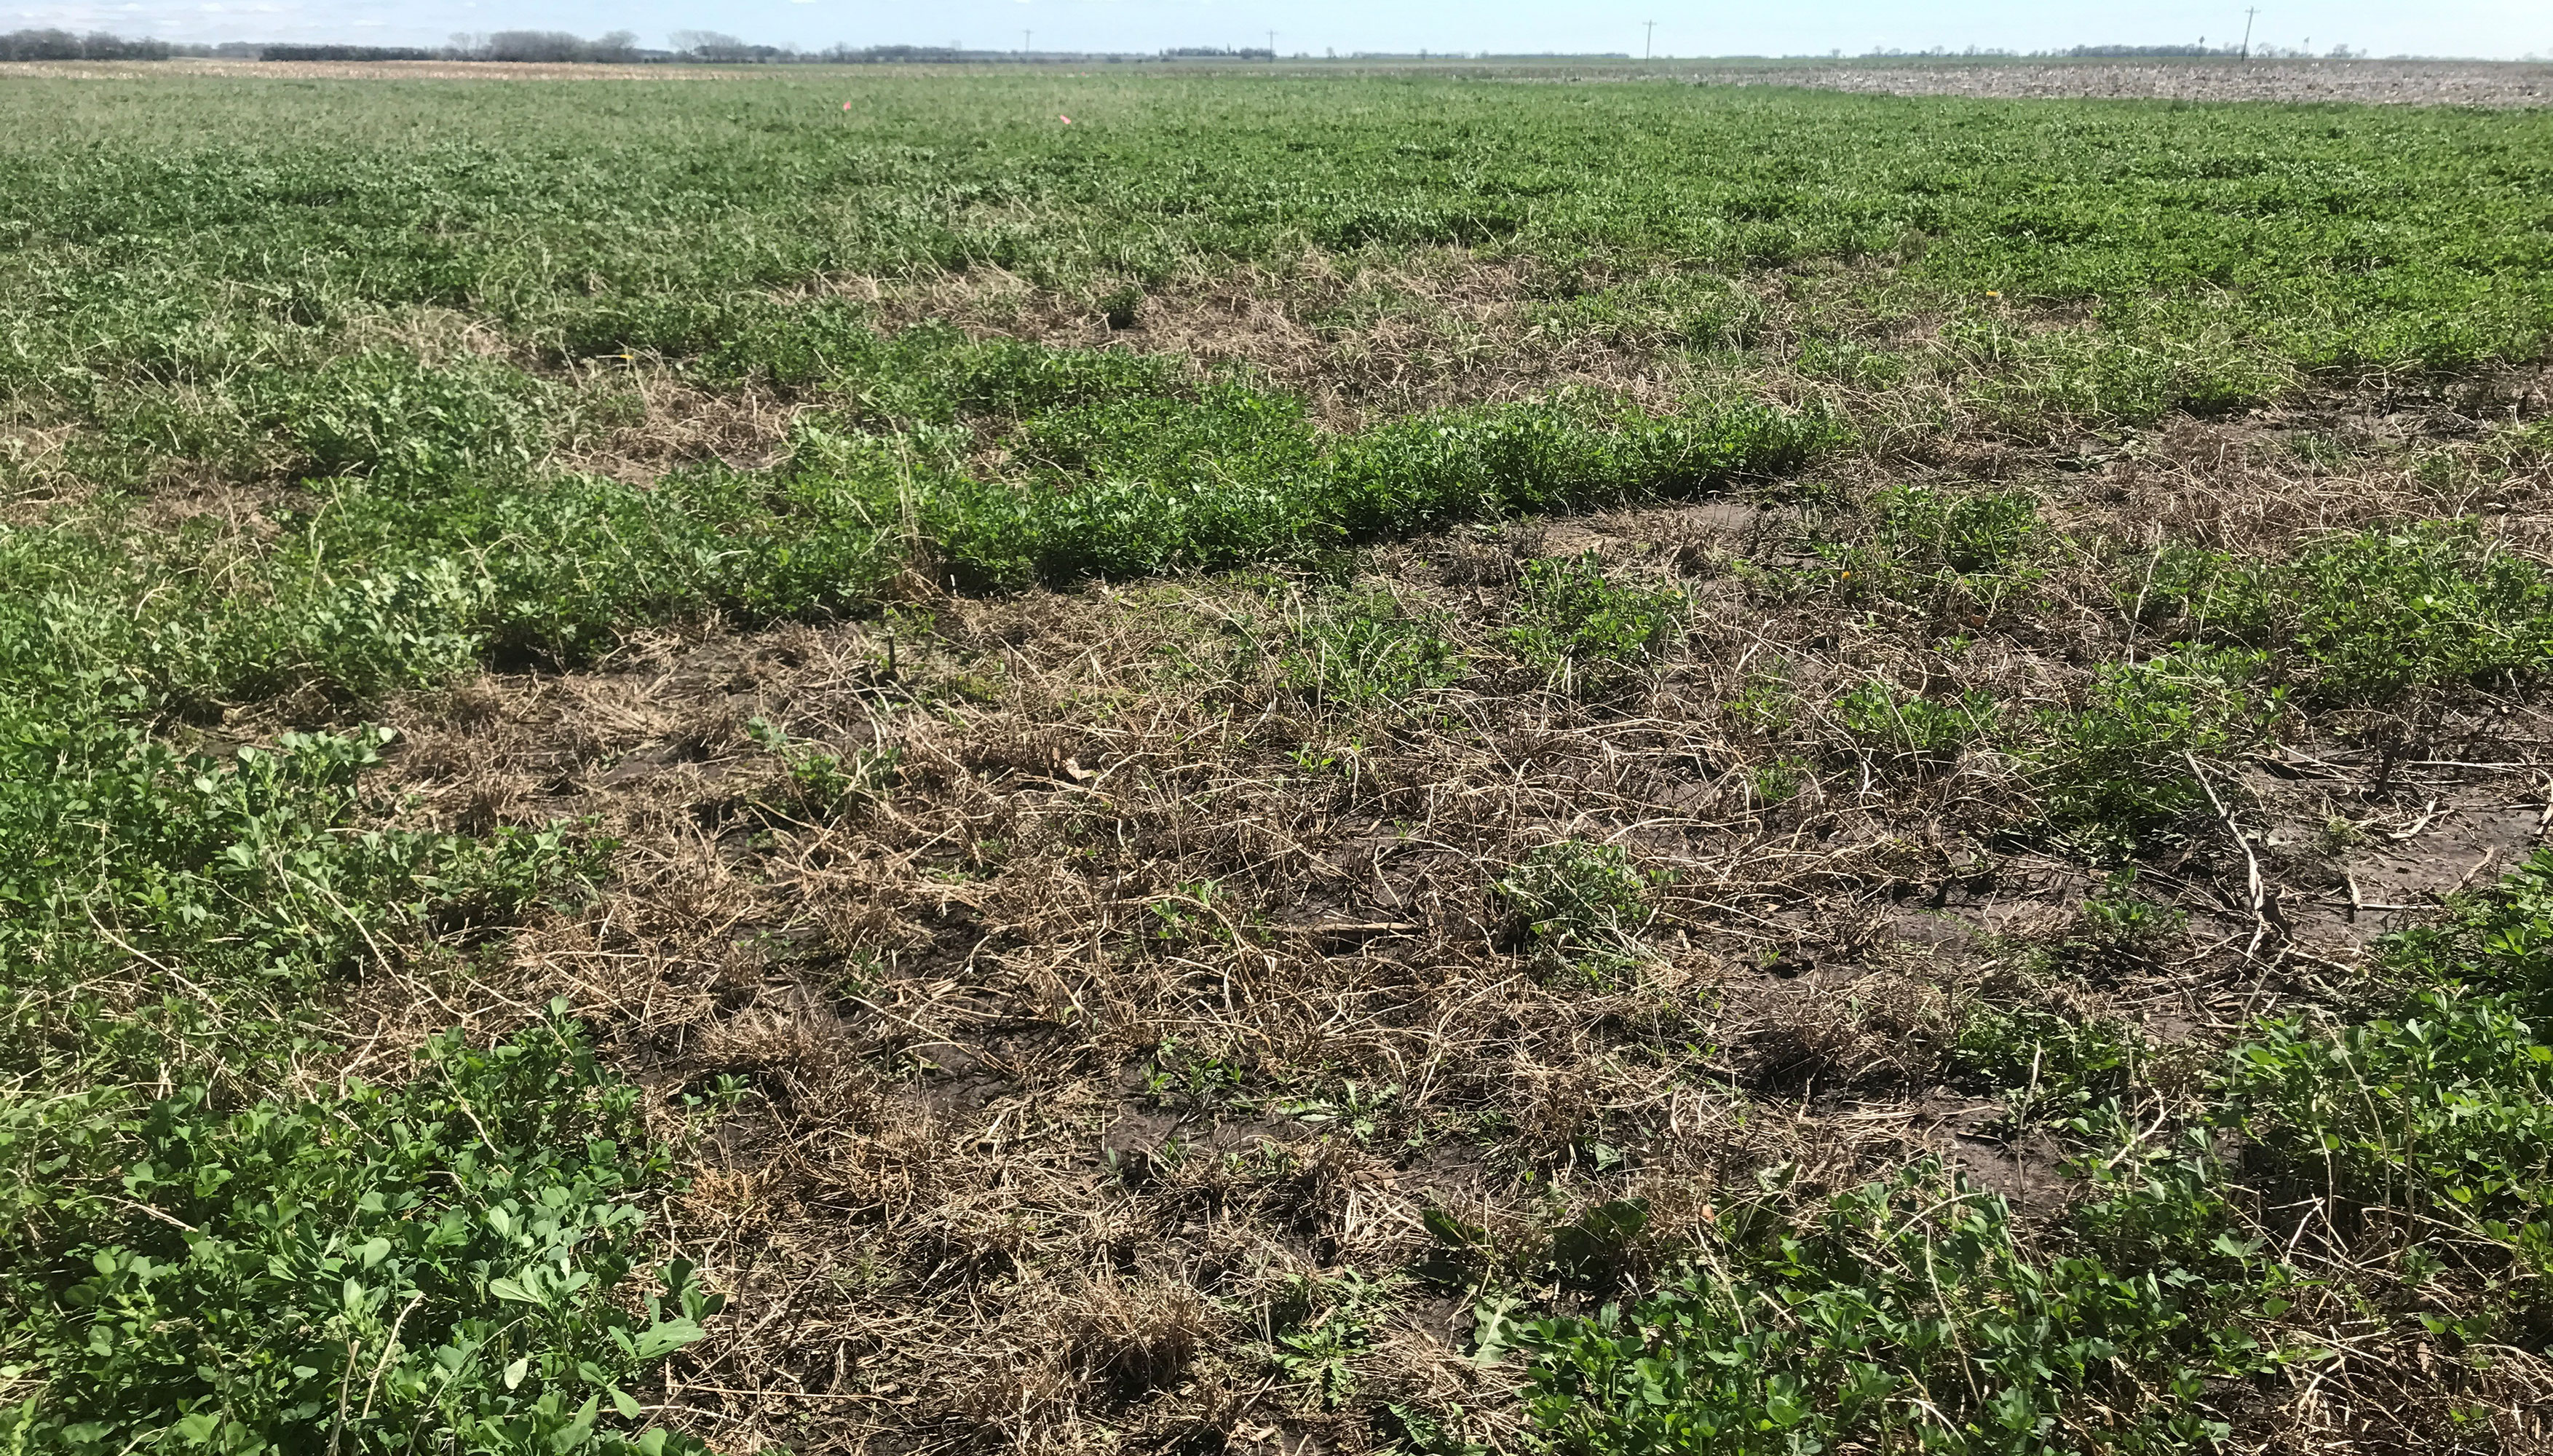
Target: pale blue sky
(2486,28)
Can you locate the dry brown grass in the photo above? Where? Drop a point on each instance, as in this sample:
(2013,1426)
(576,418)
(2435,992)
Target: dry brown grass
(35,478)
(660,420)
(950,1207)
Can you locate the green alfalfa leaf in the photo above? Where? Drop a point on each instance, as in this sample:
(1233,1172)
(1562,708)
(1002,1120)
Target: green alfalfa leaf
(579,1431)
(665,1337)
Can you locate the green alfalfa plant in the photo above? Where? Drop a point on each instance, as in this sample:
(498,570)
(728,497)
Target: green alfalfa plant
(462,1257)
(1364,650)
(1590,633)
(823,781)
(1320,1328)
(1579,904)
(1905,1310)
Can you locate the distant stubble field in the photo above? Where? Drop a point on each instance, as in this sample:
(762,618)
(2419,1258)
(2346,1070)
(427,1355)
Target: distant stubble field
(1334,762)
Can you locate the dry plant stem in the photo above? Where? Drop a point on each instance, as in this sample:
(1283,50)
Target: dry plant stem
(2259,896)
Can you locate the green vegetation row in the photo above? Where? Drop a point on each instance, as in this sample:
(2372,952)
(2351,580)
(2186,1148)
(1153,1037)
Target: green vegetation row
(422,552)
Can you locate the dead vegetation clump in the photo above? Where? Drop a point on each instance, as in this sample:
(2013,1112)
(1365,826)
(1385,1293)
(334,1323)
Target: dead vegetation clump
(658,422)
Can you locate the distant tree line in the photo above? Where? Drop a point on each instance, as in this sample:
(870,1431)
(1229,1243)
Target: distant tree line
(713,47)
(549,45)
(2160,53)
(64,45)
(343,53)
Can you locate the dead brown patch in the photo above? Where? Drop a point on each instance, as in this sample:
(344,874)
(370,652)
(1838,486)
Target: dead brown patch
(437,336)
(1358,341)
(2265,480)
(1057,917)
(1109,1014)
(34,479)
(243,513)
(677,424)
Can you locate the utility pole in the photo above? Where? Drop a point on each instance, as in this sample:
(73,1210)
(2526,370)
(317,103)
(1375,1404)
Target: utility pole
(2247,30)
(1024,44)
(1648,41)
(1272,45)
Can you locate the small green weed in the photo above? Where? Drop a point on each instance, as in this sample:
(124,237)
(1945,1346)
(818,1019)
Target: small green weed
(1848,362)
(1590,632)
(1584,903)
(2445,1106)
(2046,1065)
(1364,651)
(1179,1075)
(2115,770)
(1596,1249)
(1780,780)
(2117,924)
(1887,721)
(1422,1432)
(2443,1103)
(2366,617)
(823,782)
(1359,1110)
(1767,708)
(1599,1248)
(1962,535)
(1192,910)
(2375,616)
(1319,1327)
